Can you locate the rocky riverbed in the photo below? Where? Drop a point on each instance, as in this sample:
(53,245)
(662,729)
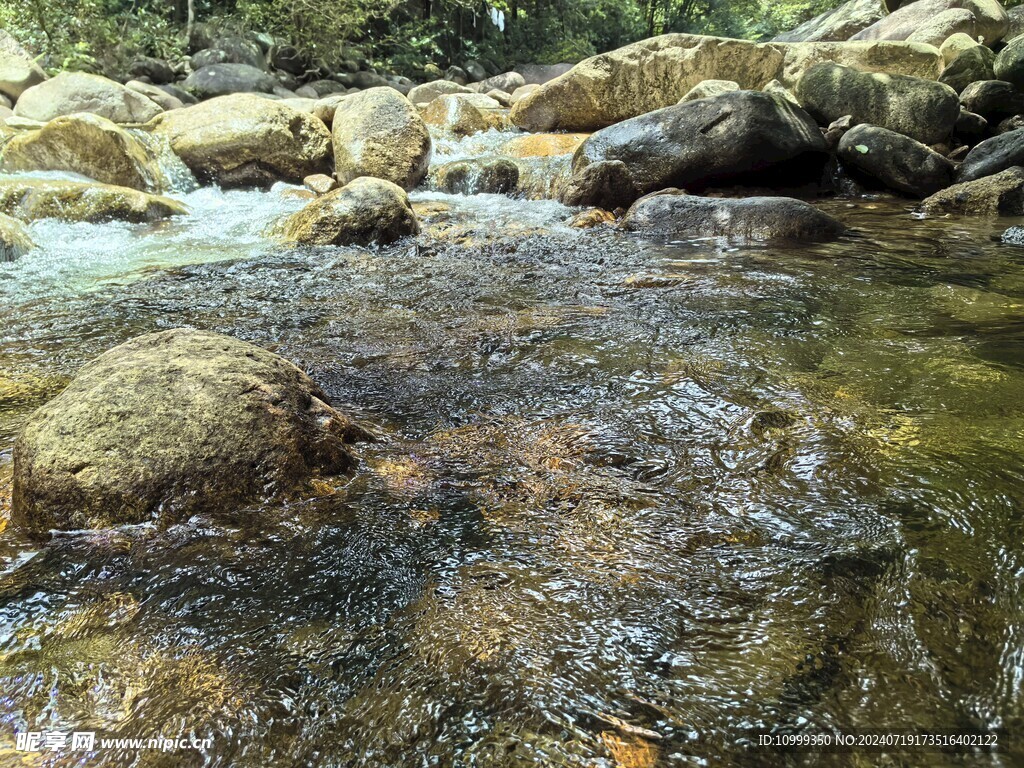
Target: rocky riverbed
(677,402)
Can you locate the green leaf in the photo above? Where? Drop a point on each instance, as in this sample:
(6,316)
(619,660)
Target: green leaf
(862,149)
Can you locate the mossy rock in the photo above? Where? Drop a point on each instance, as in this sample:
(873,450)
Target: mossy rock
(31,199)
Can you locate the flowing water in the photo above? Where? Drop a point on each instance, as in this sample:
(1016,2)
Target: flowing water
(632,504)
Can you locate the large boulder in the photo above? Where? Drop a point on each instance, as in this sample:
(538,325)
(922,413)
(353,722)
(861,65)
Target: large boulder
(998,195)
(89,145)
(993,99)
(223,79)
(379,133)
(895,160)
(991,21)
(940,28)
(1009,65)
(156,94)
(507,82)
(14,239)
(675,213)
(899,58)
(970,66)
(18,70)
(71,92)
(426,93)
(31,199)
(922,109)
(729,138)
(462,114)
(993,156)
(172,424)
(365,211)
(837,24)
(1016,28)
(656,73)
(538,74)
(246,141)
(956,44)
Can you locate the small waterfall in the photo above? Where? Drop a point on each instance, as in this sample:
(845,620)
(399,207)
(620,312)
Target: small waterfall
(175,175)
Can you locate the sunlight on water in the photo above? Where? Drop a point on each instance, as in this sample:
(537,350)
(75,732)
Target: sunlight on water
(632,500)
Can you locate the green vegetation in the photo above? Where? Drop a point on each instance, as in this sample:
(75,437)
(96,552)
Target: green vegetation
(401,35)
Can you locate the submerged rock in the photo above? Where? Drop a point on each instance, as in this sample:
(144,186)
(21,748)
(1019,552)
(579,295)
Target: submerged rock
(672,212)
(18,70)
(897,161)
(31,199)
(71,92)
(246,141)
(998,195)
(993,156)
(716,140)
(365,211)
(379,133)
(14,239)
(171,424)
(89,145)
(921,109)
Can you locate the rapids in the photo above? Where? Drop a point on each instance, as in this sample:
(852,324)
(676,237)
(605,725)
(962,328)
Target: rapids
(633,502)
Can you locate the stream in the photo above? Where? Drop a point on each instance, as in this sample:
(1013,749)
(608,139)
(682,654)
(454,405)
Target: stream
(633,502)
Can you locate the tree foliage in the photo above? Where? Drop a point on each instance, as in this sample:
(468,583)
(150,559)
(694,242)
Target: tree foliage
(403,35)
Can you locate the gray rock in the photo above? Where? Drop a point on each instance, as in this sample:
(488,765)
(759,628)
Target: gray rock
(475,177)
(426,93)
(837,24)
(475,70)
(895,160)
(1013,236)
(993,156)
(1009,64)
(224,79)
(288,59)
(970,128)
(991,20)
(724,139)
(14,239)
(921,109)
(171,424)
(992,99)
(709,88)
(507,82)
(366,211)
(18,70)
(972,65)
(538,74)
(71,92)
(675,213)
(379,133)
(998,195)
(237,50)
(456,75)
(1016,15)
(158,71)
(940,28)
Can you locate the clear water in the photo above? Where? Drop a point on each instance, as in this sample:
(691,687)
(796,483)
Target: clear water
(635,501)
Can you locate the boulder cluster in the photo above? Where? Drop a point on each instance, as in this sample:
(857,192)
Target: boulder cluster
(678,135)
